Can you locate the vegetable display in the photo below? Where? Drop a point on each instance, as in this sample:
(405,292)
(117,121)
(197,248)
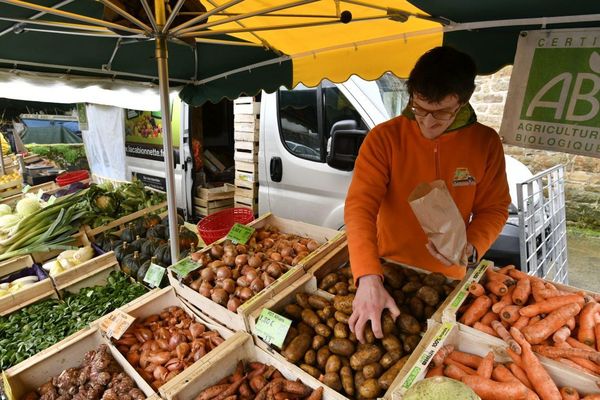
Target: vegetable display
(258,381)
(99,376)
(68,259)
(162,345)
(40,325)
(561,325)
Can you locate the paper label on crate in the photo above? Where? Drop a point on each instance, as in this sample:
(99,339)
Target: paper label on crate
(272,327)
(478,272)
(7,388)
(423,362)
(116,323)
(51,200)
(26,189)
(240,234)
(154,275)
(184,267)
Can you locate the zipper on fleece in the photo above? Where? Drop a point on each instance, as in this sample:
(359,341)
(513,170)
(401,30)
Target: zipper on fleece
(436,155)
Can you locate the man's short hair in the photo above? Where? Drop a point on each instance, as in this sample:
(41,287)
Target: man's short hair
(443,71)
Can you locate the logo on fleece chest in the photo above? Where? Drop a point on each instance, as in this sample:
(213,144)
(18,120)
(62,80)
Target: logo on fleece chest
(462,177)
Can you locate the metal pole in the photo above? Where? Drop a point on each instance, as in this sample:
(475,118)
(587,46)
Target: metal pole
(165,108)
(2,172)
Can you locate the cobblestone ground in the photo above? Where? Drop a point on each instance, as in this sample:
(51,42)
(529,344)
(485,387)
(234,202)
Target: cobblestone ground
(584,261)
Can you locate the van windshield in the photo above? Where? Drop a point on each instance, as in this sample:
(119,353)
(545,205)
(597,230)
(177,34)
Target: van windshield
(388,93)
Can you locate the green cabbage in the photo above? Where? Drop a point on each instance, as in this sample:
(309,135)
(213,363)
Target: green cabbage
(27,206)
(5,209)
(440,388)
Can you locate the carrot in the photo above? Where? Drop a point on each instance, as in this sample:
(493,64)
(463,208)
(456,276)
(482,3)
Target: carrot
(478,309)
(486,366)
(578,345)
(586,323)
(452,371)
(317,394)
(545,328)
(505,270)
(496,287)
(597,335)
(571,324)
(485,328)
(470,360)
(476,289)
(537,375)
(464,368)
(440,356)
(517,274)
(521,322)
(504,335)
(592,397)
(510,314)
(569,352)
(505,300)
(522,291)
(561,335)
(520,374)
(534,320)
(502,278)
(502,374)
(515,357)
(231,390)
(435,371)
(488,389)
(573,364)
(212,391)
(537,287)
(550,305)
(569,393)
(489,317)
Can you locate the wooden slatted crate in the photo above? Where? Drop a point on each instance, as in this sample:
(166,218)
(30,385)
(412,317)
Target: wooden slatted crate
(211,200)
(246,151)
(246,105)
(246,171)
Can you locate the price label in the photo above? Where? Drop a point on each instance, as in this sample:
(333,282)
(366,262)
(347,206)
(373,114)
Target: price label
(240,233)
(51,200)
(116,323)
(26,189)
(184,267)
(6,387)
(154,275)
(272,327)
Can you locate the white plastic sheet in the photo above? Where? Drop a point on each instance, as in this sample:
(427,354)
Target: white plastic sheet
(105,141)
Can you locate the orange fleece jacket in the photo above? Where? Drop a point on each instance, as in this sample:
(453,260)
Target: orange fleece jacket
(392,161)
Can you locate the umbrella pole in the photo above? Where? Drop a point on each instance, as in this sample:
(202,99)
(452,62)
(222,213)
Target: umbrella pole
(165,108)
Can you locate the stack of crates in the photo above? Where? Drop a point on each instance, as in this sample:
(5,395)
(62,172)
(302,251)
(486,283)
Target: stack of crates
(246,131)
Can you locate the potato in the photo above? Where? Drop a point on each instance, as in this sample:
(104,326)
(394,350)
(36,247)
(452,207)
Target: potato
(323,330)
(434,279)
(310,357)
(329,311)
(398,296)
(341,317)
(343,303)
(312,371)
(341,347)
(332,379)
(318,342)
(447,290)
(369,335)
(322,356)
(340,330)
(428,311)
(391,342)
(410,343)
(341,288)
(303,328)
(393,275)
(416,307)
(352,337)
(294,351)
(369,389)
(333,364)
(352,287)
(310,318)
(385,380)
(388,326)
(429,295)
(331,322)
(367,354)
(346,272)
(292,333)
(321,315)
(302,300)
(347,380)
(411,287)
(406,323)
(318,302)
(332,290)
(328,281)
(373,370)
(390,358)
(294,311)
(345,361)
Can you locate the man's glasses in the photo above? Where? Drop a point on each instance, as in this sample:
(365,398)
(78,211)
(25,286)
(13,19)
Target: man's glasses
(441,115)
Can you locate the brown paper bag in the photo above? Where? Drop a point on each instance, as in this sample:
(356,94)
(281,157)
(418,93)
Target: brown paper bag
(440,219)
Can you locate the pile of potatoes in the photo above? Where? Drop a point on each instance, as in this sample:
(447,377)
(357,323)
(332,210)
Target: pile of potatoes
(232,274)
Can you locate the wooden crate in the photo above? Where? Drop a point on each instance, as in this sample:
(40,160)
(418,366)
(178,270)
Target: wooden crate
(10,188)
(217,193)
(37,370)
(40,290)
(242,349)
(44,187)
(475,342)
(246,131)
(236,321)
(246,105)
(246,189)
(211,200)
(74,274)
(91,276)
(247,202)
(246,118)
(246,152)
(328,238)
(78,240)
(158,302)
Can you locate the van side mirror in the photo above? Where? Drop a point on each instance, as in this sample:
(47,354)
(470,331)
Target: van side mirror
(345,141)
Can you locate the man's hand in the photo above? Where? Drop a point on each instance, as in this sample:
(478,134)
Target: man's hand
(369,302)
(436,254)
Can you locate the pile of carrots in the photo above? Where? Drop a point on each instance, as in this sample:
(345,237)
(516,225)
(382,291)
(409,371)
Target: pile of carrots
(522,379)
(561,325)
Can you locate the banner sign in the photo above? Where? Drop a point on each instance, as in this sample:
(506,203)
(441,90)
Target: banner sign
(553,99)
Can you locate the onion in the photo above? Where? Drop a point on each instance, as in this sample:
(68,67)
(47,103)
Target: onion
(288,260)
(243,281)
(312,245)
(160,372)
(235,273)
(274,270)
(251,274)
(257,285)
(229,285)
(133,357)
(299,248)
(196,284)
(230,249)
(241,260)
(216,264)
(276,256)
(205,289)
(246,293)
(268,279)
(255,261)
(223,273)
(268,243)
(175,339)
(216,251)
(287,251)
(219,296)
(262,234)
(182,350)
(241,249)
(163,344)
(197,329)
(229,260)
(233,304)
(196,256)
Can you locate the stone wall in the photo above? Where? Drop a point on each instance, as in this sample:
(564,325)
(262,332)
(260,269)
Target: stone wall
(582,191)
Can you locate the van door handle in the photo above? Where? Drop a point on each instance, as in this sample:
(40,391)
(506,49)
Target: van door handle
(276,169)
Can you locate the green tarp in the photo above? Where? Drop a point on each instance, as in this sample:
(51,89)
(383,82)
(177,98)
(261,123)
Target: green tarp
(49,135)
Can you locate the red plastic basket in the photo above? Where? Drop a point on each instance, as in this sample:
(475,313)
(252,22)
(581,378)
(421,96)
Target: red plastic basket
(217,225)
(67,178)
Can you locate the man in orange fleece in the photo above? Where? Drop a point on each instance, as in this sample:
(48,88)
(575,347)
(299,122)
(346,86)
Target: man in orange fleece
(436,137)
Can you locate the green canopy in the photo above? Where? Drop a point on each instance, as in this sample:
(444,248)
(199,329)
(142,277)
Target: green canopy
(49,135)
